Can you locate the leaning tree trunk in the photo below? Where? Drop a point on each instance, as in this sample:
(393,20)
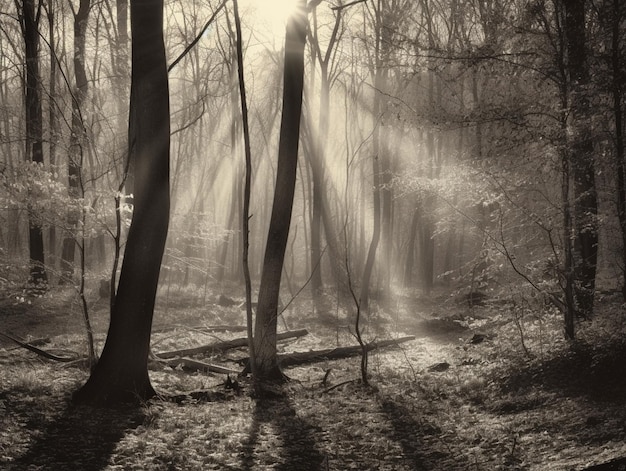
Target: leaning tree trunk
(266,367)
(34,132)
(121,375)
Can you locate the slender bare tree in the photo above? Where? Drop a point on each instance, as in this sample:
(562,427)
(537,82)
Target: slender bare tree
(266,367)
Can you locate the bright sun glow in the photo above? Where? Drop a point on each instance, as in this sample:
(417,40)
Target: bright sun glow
(270,15)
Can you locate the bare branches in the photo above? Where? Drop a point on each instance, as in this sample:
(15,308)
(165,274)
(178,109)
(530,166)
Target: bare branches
(198,37)
(341,7)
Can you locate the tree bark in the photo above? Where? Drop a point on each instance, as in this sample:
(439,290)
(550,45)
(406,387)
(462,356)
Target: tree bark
(364,295)
(410,252)
(580,145)
(34,131)
(266,366)
(53,118)
(618,93)
(121,375)
(78,140)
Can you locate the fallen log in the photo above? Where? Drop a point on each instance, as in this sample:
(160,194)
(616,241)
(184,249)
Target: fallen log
(189,364)
(226,328)
(299,358)
(201,328)
(226,345)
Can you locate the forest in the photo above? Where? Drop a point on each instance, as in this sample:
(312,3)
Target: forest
(312,234)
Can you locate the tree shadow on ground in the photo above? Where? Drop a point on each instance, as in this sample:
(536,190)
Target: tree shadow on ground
(417,437)
(80,438)
(596,372)
(295,446)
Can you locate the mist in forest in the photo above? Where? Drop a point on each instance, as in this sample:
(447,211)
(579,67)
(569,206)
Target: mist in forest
(451,146)
(312,234)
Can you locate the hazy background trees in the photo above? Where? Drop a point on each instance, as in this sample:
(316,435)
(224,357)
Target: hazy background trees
(465,144)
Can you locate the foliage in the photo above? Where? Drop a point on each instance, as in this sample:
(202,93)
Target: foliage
(32,186)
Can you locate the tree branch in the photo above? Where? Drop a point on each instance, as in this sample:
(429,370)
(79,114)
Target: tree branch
(341,7)
(197,38)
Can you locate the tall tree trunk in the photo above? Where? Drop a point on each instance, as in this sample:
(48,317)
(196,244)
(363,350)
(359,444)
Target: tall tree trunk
(121,375)
(121,55)
(410,252)
(386,214)
(121,82)
(580,145)
(245,249)
(368,268)
(321,224)
(376,70)
(617,92)
(316,224)
(266,366)
(53,118)
(78,140)
(478,143)
(569,310)
(34,131)
(427,226)
(427,245)
(221,262)
(128,177)
(320,208)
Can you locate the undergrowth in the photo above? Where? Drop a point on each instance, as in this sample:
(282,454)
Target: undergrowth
(490,402)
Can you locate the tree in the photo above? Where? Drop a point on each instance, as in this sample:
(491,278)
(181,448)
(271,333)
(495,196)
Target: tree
(53,113)
(247,185)
(265,326)
(580,146)
(34,128)
(617,92)
(380,75)
(121,374)
(318,138)
(78,138)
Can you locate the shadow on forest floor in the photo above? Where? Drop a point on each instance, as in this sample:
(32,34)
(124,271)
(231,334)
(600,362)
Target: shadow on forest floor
(597,372)
(294,445)
(79,438)
(416,436)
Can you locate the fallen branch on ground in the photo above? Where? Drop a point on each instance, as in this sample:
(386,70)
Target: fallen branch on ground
(34,343)
(225,328)
(201,328)
(336,386)
(226,345)
(299,358)
(190,364)
(41,352)
(202,395)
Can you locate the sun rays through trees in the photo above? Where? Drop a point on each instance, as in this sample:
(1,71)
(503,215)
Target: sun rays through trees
(437,187)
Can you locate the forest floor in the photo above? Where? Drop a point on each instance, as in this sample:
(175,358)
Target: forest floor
(481,388)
